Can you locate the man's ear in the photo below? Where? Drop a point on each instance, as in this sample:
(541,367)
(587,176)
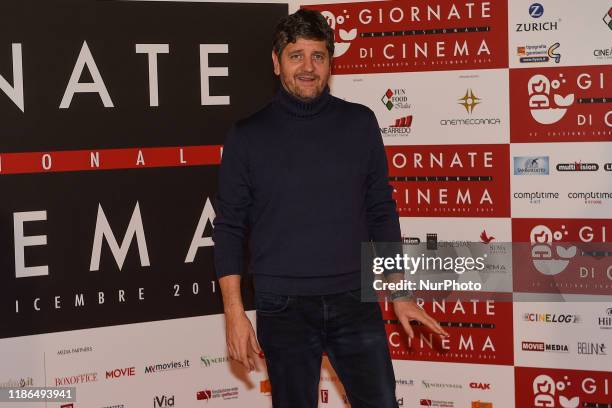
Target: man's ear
(276,63)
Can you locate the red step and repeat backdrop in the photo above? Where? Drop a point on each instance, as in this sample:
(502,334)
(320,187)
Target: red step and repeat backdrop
(497,117)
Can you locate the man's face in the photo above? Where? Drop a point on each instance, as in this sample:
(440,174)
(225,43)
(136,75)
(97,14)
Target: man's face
(304,68)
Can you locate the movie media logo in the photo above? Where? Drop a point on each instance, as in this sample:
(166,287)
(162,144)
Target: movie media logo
(577,166)
(538,53)
(206,361)
(395,99)
(480,386)
(324,396)
(606,321)
(436,403)
(75,379)
(121,372)
(592,349)
(20,383)
(482,404)
(163,401)
(469,101)
(552,318)
(531,165)
(546,347)
(160,367)
(222,393)
(401,127)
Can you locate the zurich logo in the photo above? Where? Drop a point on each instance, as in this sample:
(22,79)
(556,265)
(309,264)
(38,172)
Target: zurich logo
(536,10)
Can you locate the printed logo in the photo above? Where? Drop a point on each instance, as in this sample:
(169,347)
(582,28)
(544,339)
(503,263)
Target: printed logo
(605,322)
(531,165)
(340,47)
(538,53)
(121,372)
(536,10)
(469,101)
(541,346)
(163,401)
(484,238)
(608,18)
(548,258)
(540,104)
(395,98)
(577,166)
(592,349)
(324,396)
(551,318)
(401,127)
(480,386)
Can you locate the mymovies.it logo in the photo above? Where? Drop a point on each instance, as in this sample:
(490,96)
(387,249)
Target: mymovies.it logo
(172,365)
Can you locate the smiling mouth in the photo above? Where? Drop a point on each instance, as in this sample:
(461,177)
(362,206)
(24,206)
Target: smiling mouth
(306,78)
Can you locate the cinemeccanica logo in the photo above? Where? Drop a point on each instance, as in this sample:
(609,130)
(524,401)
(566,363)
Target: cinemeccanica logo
(531,165)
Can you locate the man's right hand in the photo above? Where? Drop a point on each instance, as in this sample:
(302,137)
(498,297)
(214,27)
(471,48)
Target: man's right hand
(241,339)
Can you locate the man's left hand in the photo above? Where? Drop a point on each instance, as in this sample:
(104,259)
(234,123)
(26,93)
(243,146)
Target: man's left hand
(407,310)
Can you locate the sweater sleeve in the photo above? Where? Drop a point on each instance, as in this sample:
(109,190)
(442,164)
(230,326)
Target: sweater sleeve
(233,201)
(381,214)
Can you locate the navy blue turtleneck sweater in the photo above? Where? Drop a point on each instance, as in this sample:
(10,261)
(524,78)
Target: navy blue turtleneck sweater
(307,183)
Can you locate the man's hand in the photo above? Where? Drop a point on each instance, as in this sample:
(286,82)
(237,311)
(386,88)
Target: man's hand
(407,310)
(241,339)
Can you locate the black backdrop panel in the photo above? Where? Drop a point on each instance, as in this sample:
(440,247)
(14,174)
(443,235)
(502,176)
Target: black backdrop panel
(171,200)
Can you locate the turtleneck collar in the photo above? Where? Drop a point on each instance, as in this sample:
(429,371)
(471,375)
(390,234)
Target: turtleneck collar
(299,108)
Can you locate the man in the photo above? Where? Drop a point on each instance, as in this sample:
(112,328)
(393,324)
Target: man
(307,177)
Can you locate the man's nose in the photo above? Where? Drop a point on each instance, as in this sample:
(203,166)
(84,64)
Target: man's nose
(308,65)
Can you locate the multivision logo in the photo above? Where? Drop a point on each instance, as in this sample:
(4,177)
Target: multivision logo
(531,165)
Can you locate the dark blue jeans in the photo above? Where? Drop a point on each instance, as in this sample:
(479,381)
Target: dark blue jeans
(294,331)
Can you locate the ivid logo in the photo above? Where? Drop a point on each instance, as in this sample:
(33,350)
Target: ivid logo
(546,105)
(548,258)
(340,48)
(163,401)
